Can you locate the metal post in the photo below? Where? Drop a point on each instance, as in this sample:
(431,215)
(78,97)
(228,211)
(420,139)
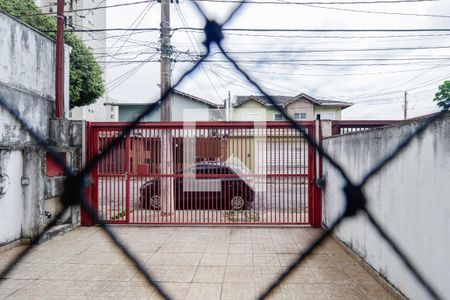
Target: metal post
(317,201)
(166,113)
(59,72)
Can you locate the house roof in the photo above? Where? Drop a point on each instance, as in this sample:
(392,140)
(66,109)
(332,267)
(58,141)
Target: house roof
(285,100)
(177,92)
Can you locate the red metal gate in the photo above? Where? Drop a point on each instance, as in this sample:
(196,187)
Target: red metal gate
(205,173)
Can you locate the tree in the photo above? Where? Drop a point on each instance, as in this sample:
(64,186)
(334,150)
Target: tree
(442,97)
(86,83)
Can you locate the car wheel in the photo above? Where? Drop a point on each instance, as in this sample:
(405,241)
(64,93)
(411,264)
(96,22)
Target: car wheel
(237,203)
(155,202)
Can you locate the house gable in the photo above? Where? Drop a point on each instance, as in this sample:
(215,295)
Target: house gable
(302,108)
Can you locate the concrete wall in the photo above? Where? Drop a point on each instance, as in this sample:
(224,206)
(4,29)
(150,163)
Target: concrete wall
(27,66)
(410,198)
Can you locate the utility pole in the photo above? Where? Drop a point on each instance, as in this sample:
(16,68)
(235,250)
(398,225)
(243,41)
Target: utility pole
(405,106)
(59,71)
(167,207)
(166,57)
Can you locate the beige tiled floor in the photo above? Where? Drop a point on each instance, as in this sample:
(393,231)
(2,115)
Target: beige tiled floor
(189,263)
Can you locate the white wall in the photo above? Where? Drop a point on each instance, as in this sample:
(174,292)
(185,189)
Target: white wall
(27,72)
(11,200)
(410,198)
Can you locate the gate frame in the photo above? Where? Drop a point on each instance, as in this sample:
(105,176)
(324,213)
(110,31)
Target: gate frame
(314,191)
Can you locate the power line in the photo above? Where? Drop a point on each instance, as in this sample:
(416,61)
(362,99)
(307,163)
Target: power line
(314,5)
(267,30)
(321,30)
(331,50)
(319,2)
(378,12)
(89,9)
(138,21)
(197,51)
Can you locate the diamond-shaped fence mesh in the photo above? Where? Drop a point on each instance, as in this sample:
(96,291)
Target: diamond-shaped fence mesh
(356,200)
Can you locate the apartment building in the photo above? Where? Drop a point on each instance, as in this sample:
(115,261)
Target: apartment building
(85,15)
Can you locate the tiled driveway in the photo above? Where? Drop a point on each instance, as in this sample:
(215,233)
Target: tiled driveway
(189,262)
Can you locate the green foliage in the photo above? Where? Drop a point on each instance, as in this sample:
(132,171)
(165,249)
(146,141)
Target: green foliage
(442,97)
(86,83)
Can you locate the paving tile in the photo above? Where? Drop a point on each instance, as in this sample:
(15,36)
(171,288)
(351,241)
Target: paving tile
(340,291)
(194,247)
(189,262)
(187,259)
(204,291)
(263,248)
(177,290)
(319,260)
(307,291)
(162,259)
(266,260)
(357,273)
(341,259)
(214,259)
(240,259)
(217,247)
(287,248)
(281,292)
(172,247)
(239,274)
(240,248)
(302,274)
(9,286)
(266,273)
(180,274)
(209,274)
(330,275)
(26,270)
(76,272)
(372,291)
(287,259)
(241,291)
(157,272)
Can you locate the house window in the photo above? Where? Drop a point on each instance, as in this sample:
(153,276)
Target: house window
(278,117)
(326,115)
(50,9)
(300,116)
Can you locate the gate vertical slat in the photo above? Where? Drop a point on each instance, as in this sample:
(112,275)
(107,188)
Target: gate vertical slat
(127,178)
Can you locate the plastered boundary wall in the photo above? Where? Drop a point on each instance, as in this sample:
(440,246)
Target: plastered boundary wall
(410,197)
(27,76)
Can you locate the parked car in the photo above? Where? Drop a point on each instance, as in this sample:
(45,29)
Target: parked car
(205,185)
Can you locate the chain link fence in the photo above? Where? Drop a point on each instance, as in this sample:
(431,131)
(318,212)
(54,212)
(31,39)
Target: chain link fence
(356,201)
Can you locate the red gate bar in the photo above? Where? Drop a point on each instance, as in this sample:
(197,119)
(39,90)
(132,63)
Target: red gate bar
(223,173)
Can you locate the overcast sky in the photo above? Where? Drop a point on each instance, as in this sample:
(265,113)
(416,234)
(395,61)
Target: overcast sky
(375,86)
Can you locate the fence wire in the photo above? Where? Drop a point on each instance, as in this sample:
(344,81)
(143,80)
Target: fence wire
(356,200)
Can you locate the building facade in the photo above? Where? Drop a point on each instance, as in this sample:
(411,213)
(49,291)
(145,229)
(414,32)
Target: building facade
(184,107)
(84,15)
(300,108)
